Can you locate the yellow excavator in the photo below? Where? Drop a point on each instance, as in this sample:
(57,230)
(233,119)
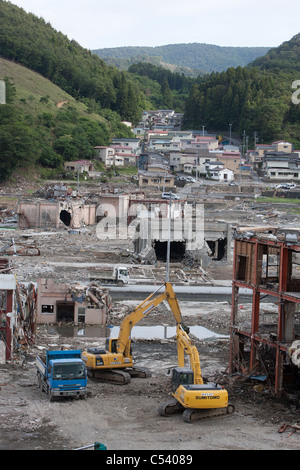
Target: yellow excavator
(190,395)
(115,364)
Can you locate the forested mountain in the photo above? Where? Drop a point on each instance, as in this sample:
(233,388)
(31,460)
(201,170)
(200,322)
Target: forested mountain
(34,130)
(32,42)
(256,98)
(41,126)
(62,100)
(285,57)
(163,88)
(192,59)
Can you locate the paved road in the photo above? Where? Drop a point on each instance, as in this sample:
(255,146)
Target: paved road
(193,293)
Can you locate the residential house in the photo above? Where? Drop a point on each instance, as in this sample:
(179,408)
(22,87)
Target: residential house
(105,154)
(126,154)
(80,165)
(133,144)
(231,160)
(281,166)
(261,149)
(151,158)
(165,146)
(155,134)
(178,161)
(157,176)
(282,146)
(115,156)
(217,172)
(225,174)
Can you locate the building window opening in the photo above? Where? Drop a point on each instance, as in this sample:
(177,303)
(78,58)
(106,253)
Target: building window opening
(47,308)
(65,217)
(81,315)
(218,248)
(65,312)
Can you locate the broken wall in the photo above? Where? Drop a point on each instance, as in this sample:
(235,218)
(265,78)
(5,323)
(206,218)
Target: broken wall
(72,303)
(43,214)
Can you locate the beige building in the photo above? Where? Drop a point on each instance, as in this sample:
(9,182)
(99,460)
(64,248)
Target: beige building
(58,302)
(282,146)
(231,160)
(105,154)
(157,180)
(55,214)
(81,165)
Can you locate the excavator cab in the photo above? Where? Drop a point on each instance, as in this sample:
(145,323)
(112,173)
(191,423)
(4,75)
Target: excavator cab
(111,345)
(181,376)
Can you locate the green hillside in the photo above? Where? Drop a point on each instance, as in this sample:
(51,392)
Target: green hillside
(30,41)
(192,59)
(61,99)
(254,99)
(41,126)
(35,94)
(285,57)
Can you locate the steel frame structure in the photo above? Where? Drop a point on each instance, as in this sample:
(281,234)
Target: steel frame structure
(250,253)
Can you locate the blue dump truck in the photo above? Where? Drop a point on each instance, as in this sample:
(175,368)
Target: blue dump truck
(62,374)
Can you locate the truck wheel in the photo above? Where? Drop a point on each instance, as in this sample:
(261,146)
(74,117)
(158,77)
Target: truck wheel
(49,395)
(39,381)
(120,283)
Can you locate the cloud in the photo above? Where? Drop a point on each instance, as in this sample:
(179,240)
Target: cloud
(97,24)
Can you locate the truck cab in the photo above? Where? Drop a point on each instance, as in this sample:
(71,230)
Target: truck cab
(122,275)
(62,374)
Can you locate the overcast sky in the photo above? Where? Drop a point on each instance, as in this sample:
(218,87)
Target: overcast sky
(97,24)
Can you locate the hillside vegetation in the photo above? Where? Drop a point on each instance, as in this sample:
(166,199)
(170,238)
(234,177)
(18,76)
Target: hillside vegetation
(32,42)
(43,126)
(257,98)
(192,59)
(61,99)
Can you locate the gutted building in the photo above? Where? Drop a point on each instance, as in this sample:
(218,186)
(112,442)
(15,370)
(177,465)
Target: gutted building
(267,262)
(17,312)
(58,302)
(55,214)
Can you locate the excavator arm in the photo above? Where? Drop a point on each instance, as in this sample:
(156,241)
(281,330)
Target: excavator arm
(191,396)
(185,346)
(124,338)
(115,364)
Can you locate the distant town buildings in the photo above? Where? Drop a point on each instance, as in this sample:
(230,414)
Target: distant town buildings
(160,149)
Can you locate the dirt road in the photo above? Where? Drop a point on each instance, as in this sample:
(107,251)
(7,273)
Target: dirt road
(126,417)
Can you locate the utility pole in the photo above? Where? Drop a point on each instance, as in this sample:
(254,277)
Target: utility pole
(230,133)
(169,242)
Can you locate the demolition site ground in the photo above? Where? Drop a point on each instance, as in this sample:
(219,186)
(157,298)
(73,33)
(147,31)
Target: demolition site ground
(126,417)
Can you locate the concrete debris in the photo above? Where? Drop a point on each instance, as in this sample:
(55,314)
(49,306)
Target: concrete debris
(92,293)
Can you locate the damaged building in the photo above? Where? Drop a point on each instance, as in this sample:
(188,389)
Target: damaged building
(267,262)
(72,214)
(17,312)
(192,237)
(74,303)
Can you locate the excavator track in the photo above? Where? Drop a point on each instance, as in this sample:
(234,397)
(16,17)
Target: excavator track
(191,415)
(116,376)
(139,372)
(169,408)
